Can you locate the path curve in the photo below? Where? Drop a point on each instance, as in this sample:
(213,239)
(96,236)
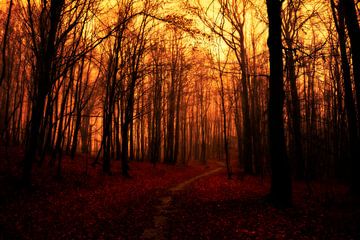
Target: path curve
(163,208)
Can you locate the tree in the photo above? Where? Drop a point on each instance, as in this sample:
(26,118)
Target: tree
(291,32)
(135,49)
(340,19)
(281,190)
(50,26)
(221,70)
(5,42)
(158,72)
(45,52)
(352,25)
(229,25)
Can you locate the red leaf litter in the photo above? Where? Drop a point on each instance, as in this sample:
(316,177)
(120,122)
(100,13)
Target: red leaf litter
(216,208)
(95,206)
(86,207)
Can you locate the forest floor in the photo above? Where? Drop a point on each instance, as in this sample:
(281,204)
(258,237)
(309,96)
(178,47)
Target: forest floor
(167,202)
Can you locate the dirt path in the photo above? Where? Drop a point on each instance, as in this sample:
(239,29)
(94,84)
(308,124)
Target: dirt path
(164,208)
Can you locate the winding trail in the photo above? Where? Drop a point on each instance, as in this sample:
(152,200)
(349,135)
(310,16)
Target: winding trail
(164,208)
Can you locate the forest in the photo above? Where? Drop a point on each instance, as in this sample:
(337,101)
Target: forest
(179,119)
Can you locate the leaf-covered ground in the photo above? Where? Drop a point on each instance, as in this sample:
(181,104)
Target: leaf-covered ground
(216,208)
(86,207)
(162,199)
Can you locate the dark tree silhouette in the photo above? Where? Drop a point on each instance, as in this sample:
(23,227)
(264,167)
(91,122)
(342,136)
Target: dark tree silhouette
(343,13)
(45,52)
(5,42)
(281,191)
(352,25)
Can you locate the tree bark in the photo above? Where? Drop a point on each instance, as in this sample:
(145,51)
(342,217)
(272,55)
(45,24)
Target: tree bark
(42,83)
(281,190)
(349,100)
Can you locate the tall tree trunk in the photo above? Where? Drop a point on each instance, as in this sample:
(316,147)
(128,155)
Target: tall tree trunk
(177,126)
(349,100)
(78,106)
(117,131)
(42,83)
(169,158)
(351,19)
(131,138)
(129,109)
(295,112)
(281,190)
(247,149)
(224,118)
(57,152)
(5,41)
(32,142)
(352,25)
